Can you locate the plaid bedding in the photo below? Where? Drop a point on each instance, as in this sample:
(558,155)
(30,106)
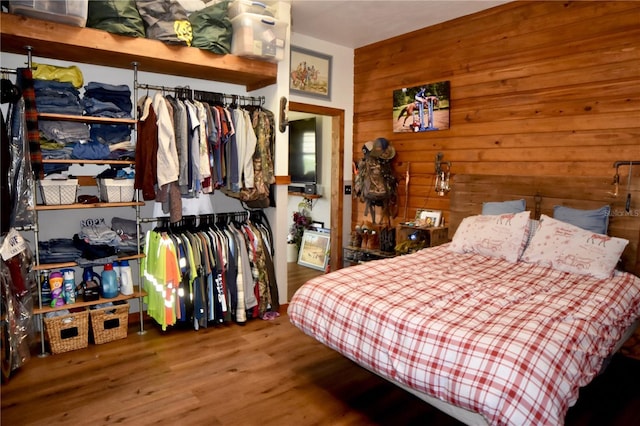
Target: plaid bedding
(511,341)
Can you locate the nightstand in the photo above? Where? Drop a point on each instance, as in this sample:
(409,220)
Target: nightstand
(410,238)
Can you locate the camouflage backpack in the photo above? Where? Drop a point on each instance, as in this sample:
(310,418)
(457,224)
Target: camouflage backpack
(375,184)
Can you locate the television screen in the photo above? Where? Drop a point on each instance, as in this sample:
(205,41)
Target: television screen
(303,151)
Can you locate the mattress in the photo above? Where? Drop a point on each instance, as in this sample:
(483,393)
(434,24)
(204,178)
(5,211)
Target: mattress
(513,342)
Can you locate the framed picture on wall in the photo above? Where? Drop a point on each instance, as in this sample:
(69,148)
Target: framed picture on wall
(314,250)
(421,108)
(310,73)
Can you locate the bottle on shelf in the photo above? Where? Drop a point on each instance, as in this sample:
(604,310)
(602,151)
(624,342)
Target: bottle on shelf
(116,268)
(126,279)
(69,285)
(57,291)
(45,288)
(109,282)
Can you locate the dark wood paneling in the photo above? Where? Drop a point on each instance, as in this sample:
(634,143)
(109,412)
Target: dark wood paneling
(541,88)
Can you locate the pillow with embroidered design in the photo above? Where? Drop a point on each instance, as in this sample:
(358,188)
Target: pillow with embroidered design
(569,248)
(503,236)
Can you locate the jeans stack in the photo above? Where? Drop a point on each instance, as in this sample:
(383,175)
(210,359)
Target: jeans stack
(58,250)
(57,138)
(113,101)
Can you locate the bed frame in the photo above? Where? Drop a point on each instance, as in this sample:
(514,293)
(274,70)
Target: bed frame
(541,193)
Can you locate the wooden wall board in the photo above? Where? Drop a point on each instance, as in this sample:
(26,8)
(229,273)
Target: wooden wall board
(539,88)
(471,191)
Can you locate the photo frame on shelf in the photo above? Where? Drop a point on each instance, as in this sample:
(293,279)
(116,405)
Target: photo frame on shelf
(314,250)
(310,73)
(428,218)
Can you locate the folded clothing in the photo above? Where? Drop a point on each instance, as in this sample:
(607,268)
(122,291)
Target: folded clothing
(93,251)
(57,250)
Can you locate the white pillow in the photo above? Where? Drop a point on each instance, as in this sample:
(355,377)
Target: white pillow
(503,236)
(568,248)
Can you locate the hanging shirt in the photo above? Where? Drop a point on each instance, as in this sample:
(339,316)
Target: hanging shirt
(167,156)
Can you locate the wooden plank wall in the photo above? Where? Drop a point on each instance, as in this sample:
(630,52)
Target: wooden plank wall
(537,88)
(542,193)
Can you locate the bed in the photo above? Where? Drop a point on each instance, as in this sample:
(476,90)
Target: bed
(490,327)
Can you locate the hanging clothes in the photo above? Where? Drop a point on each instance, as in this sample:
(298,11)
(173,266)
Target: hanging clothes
(18,281)
(145,178)
(209,274)
(211,146)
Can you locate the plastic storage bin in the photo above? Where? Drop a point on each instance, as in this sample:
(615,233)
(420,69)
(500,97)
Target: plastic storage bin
(116,190)
(237,7)
(68,332)
(109,323)
(71,12)
(258,37)
(58,191)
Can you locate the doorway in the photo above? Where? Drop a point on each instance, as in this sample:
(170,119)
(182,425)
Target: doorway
(336,192)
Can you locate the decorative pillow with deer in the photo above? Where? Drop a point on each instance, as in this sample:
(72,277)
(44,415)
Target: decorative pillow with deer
(568,248)
(503,236)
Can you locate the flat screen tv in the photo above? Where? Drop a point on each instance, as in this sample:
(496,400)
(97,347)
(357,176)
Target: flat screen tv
(303,151)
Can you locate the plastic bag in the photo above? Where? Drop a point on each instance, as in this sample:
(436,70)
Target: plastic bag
(17,281)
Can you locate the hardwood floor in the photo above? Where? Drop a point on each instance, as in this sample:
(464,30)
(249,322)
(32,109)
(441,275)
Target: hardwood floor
(298,275)
(263,373)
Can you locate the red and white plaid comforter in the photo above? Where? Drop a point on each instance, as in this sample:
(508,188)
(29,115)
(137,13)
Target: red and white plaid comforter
(513,342)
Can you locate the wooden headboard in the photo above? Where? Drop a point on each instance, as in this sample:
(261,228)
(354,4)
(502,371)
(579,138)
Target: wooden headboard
(542,193)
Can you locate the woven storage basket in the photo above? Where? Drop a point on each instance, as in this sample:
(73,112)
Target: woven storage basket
(68,332)
(110,323)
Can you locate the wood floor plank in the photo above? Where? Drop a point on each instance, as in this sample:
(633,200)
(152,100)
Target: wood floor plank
(263,373)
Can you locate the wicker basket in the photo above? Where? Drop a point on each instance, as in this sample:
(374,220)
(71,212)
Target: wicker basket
(110,323)
(68,332)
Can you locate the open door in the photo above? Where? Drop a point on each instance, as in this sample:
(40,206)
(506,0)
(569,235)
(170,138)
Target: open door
(337,174)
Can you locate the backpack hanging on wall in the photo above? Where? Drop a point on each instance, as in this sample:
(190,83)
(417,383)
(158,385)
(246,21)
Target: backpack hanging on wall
(374,183)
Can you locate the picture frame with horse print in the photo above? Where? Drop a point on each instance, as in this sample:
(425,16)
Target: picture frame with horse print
(310,73)
(421,108)
(314,249)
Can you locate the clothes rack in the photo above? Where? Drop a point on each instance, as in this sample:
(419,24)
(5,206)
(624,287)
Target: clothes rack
(199,95)
(4,70)
(216,217)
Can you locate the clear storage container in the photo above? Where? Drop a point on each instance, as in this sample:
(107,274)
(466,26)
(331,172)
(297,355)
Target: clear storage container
(237,7)
(258,37)
(71,12)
